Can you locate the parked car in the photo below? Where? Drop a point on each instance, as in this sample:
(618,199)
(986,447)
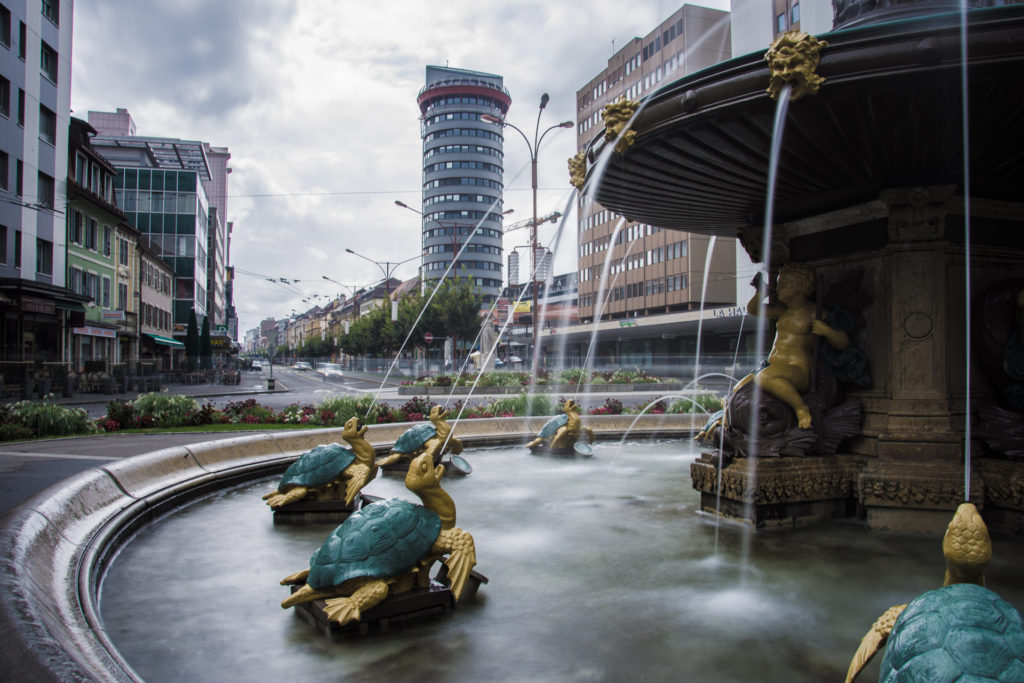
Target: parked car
(329,370)
(303,365)
(257,365)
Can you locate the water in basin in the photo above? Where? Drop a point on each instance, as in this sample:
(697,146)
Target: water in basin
(600,569)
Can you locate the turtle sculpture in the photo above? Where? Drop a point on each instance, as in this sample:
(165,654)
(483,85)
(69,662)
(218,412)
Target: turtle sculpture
(561,434)
(330,471)
(962,631)
(430,436)
(387,548)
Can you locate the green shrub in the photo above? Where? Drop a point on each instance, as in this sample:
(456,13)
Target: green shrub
(14,432)
(598,380)
(122,412)
(166,410)
(701,403)
(46,418)
(344,407)
(522,405)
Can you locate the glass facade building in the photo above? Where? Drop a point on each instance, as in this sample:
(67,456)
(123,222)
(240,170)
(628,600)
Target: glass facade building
(463,167)
(170,208)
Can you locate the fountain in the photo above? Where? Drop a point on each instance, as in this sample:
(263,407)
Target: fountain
(874,183)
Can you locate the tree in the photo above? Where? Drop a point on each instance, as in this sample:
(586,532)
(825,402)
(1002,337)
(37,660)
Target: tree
(192,340)
(205,346)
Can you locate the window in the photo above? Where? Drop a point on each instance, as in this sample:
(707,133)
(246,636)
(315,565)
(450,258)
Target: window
(51,10)
(17,248)
(90,234)
(794,13)
(75,280)
(47,125)
(5,26)
(3,244)
(44,257)
(19,177)
(94,179)
(48,61)
(45,190)
(22,39)
(106,293)
(106,240)
(5,163)
(21,107)
(5,97)
(122,296)
(780,23)
(75,227)
(123,251)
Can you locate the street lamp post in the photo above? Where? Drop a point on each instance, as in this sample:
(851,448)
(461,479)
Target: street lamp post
(386,267)
(534,148)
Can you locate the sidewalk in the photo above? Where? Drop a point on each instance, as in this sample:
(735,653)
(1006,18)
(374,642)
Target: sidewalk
(251,384)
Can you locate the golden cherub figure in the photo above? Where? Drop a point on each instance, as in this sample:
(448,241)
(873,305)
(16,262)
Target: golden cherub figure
(788,373)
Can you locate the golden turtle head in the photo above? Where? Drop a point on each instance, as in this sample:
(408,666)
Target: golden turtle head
(966,547)
(437,413)
(423,474)
(570,406)
(353,427)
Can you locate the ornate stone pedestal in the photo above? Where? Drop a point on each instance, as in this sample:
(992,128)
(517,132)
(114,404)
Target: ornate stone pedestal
(781,491)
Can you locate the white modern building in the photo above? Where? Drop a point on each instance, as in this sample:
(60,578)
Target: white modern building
(35,104)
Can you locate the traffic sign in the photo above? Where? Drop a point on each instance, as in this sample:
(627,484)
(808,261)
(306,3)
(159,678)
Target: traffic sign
(429,338)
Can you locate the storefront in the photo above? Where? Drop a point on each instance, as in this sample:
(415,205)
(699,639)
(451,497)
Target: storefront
(94,345)
(163,350)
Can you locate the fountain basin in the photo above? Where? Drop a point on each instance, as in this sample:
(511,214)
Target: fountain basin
(599,569)
(55,547)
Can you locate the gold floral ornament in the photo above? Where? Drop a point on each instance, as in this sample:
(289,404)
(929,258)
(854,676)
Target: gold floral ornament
(793,59)
(578,170)
(617,116)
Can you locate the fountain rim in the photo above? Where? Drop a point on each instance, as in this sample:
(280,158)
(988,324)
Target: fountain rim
(737,87)
(57,545)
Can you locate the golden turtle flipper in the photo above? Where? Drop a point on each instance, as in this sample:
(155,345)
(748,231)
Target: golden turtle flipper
(275,492)
(536,442)
(388,459)
(291,496)
(305,594)
(344,610)
(456,446)
(873,641)
(296,578)
(358,477)
(461,559)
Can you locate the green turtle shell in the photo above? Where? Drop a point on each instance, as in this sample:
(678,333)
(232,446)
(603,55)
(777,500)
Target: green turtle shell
(317,467)
(956,633)
(381,540)
(414,437)
(552,425)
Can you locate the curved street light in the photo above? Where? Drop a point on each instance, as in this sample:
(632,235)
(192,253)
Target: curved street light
(534,148)
(386,267)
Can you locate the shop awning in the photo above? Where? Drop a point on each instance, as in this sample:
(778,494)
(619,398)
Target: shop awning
(166,341)
(69,306)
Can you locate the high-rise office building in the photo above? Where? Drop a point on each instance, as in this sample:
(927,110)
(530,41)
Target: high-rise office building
(174,192)
(462,175)
(650,270)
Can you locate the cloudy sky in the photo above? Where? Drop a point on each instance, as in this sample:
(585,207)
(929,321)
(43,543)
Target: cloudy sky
(316,101)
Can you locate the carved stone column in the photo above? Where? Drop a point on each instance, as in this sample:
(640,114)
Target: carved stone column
(918,475)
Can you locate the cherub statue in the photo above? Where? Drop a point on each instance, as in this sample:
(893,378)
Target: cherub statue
(806,412)
(788,373)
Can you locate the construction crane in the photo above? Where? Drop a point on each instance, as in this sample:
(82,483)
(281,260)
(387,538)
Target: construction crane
(552,217)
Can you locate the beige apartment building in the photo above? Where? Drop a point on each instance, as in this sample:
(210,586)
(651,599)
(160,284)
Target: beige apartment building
(650,270)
